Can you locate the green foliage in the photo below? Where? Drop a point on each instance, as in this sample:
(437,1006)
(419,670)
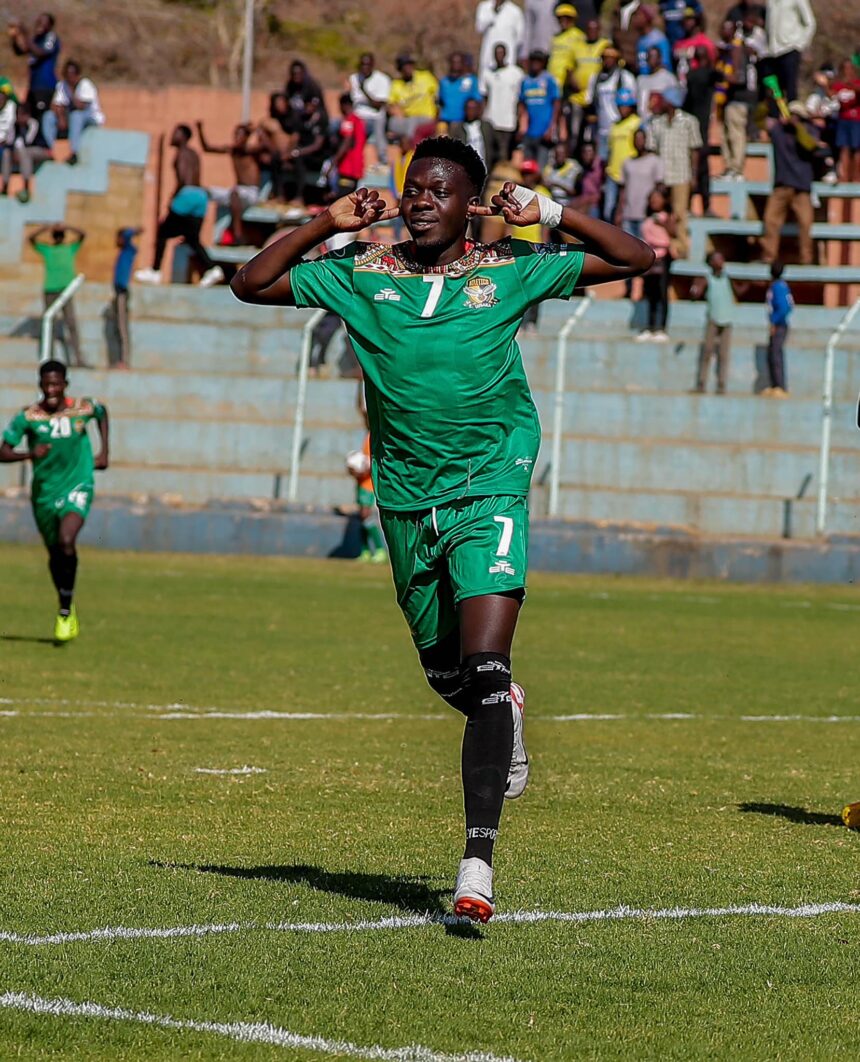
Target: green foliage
(329,43)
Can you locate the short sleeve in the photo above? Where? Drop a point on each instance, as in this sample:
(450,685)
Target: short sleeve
(16,429)
(547,270)
(396,93)
(85,91)
(554,91)
(326,282)
(695,134)
(99,410)
(51,44)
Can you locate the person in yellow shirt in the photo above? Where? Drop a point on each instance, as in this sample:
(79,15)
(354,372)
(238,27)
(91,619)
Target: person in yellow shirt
(621,148)
(412,101)
(587,56)
(561,60)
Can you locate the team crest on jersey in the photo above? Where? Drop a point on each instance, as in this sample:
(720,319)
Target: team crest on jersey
(480,292)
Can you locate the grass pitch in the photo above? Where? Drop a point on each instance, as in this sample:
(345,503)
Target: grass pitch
(107,820)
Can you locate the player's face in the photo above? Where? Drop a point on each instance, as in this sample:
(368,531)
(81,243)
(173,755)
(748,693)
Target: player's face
(435,202)
(53,390)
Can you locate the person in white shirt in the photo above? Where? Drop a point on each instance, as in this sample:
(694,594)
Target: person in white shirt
(370,89)
(74,107)
(790,26)
(657,80)
(502,89)
(498,22)
(541,25)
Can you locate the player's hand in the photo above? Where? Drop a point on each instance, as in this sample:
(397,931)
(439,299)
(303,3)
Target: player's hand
(101,462)
(360,208)
(39,451)
(505,204)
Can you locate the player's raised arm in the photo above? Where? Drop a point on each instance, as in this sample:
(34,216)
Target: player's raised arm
(610,253)
(266,278)
(102,459)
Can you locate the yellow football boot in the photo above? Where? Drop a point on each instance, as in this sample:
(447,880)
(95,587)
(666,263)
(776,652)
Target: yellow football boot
(851,815)
(66,627)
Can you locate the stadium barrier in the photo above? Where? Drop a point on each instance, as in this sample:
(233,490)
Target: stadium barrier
(46,347)
(301,399)
(558,398)
(827,417)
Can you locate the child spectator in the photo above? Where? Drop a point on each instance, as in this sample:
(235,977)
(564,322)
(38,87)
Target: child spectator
(348,160)
(658,231)
(846,89)
(621,148)
(26,149)
(74,107)
(779,308)
(720,294)
(119,350)
(590,183)
(471,129)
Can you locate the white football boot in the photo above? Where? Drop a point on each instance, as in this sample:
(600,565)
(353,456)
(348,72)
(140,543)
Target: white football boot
(518,776)
(473,893)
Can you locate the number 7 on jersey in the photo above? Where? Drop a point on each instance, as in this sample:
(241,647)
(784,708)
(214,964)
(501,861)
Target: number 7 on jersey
(437,283)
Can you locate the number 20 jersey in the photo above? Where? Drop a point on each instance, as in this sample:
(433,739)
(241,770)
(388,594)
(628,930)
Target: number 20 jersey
(449,407)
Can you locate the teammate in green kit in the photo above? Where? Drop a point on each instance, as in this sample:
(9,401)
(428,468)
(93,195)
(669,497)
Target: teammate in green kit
(454,431)
(63,466)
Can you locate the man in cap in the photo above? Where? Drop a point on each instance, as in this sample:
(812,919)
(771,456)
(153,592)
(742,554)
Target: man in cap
(587,57)
(612,77)
(675,137)
(561,58)
(621,148)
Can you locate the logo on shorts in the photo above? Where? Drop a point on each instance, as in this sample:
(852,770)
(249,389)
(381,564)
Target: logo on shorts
(480,292)
(524,462)
(386,295)
(501,568)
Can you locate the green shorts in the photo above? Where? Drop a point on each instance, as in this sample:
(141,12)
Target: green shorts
(363,496)
(463,549)
(50,510)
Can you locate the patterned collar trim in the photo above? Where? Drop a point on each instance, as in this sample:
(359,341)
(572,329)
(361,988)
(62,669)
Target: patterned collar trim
(476,254)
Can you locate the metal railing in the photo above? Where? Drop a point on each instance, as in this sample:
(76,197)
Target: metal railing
(301,400)
(46,345)
(558,400)
(827,418)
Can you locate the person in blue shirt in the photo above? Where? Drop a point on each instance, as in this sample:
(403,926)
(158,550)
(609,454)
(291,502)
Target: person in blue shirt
(455,89)
(540,104)
(120,348)
(779,307)
(42,50)
(673,12)
(644,19)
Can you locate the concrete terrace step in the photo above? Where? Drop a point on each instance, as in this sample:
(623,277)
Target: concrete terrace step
(704,229)
(759,271)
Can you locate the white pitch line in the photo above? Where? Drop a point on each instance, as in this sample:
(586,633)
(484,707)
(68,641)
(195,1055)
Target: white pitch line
(622,913)
(241,1031)
(230,770)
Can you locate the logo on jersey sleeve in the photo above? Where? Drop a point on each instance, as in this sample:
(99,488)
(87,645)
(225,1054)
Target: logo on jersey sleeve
(386,295)
(480,292)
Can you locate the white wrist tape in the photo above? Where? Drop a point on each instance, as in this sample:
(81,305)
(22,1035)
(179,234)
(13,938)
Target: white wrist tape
(550,211)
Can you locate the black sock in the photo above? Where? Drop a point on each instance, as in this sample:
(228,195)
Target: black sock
(64,568)
(488,743)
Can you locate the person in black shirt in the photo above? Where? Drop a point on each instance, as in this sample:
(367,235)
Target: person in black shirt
(701,80)
(301,88)
(794,142)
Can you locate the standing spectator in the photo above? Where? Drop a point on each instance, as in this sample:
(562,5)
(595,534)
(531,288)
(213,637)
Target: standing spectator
(613,77)
(301,88)
(658,231)
(348,161)
(657,80)
(42,51)
(717,288)
(587,59)
(412,101)
(471,130)
(370,89)
(540,25)
(245,151)
(279,132)
(792,183)
(185,214)
(310,153)
(846,89)
(736,87)
(26,149)
(8,119)
(59,260)
(640,175)
(119,351)
(685,51)
(502,86)
(701,81)
(590,181)
(675,137)
(75,105)
(455,88)
(673,12)
(561,57)
(644,19)
(498,22)
(790,26)
(540,103)
(779,308)
(743,11)
(621,148)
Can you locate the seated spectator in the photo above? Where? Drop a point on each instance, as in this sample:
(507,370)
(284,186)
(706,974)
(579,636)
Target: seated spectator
(503,82)
(301,88)
(644,22)
(185,214)
(370,89)
(26,149)
(590,183)
(74,107)
(621,148)
(471,129)
(245,151)
(658,231)
(701,82)
(657,80)
(684,52)
(540,104)
(348,161)
(846,89)
(311,151)
(456,88)
(674,135)
(613,77)
(42,51)
(8,116)
(412,102)
(792,182)
(560,175)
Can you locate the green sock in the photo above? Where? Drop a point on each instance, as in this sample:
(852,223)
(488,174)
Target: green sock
(374,536)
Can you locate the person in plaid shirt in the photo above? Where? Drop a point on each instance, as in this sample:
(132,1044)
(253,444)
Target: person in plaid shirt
(675,137)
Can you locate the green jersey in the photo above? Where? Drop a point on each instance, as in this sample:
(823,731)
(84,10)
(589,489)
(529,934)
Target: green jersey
(448,404)
(69,462)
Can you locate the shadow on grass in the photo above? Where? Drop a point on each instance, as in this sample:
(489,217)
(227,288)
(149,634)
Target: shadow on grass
(27,638)
(786,811)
